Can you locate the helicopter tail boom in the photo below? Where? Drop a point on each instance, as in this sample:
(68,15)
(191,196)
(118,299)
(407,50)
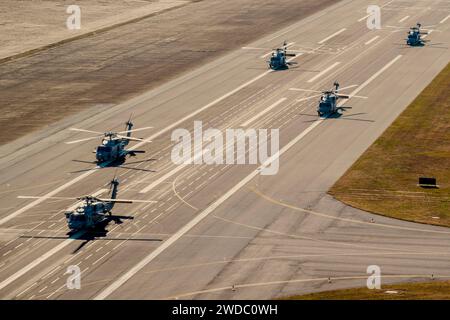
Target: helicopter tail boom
(134,152)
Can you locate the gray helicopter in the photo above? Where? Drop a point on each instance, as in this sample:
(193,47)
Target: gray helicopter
(113,144)
(93,211)
(415,36)
(278,58)
(328,103)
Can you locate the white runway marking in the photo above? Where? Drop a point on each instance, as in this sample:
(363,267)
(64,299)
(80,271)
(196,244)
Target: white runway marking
(403,19)
(125,277)
(42,258)
(269,53)
(332,36)
(173,125)
(272,283)
(427,34)
(246,123)
(372,40)
(171,173)
(166,244)
(445,19)
(384,5)
(364,18)
(317,76)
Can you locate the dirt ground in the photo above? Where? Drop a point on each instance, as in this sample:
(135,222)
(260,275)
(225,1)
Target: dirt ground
(384,179)
(112,66)
(30,24)
(431,290)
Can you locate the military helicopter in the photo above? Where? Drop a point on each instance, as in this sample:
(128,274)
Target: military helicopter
(278,58)
(113,144)
(328,103)
(414,36)
(93,210)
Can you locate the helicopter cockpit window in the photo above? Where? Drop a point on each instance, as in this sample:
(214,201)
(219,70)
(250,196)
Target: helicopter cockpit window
(78,217)
(104,149)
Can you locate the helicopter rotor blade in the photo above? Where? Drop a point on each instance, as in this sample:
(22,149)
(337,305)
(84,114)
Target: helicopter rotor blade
(55,198)
(255,48)
(134,130)
(397,27)
(353,96)
(85,139)
(310,97)
(306,90)
(348,87)
(126,200)
(84,130)
(133,139)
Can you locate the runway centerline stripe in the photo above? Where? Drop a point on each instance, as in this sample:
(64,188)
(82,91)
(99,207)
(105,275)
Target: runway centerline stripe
(42,258)
(88,173)
(372,40)
(180,167)
(445,19)
(384,5)
(332,36)
(246,123)
(317,76)
(166,244)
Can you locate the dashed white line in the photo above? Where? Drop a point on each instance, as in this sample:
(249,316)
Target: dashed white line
(21,293)
(372,40)
(42,289)
(445,19)
(364,18)
(45,256)
(169,208)
(100,258)
(198,218)
(246,123)
(403,19)
(325,71)
(6,253)
(332,36)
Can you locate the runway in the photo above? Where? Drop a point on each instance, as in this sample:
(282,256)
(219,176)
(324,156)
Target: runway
(225,231)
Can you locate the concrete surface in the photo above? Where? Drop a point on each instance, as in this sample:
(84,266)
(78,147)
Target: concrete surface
(225,225)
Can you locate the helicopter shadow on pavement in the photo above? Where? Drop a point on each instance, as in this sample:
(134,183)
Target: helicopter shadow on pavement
(294,67)
(338,115)
(427,44)
(100,232)
(115,164)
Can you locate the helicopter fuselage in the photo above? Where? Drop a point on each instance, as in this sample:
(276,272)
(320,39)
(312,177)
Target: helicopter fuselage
(111,149)
(327,104)
(88,215)
(278,60)
(414,38)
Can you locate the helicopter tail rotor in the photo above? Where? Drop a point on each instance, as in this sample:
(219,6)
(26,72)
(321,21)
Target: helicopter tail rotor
(129,125)
(336,85)
(114,186)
